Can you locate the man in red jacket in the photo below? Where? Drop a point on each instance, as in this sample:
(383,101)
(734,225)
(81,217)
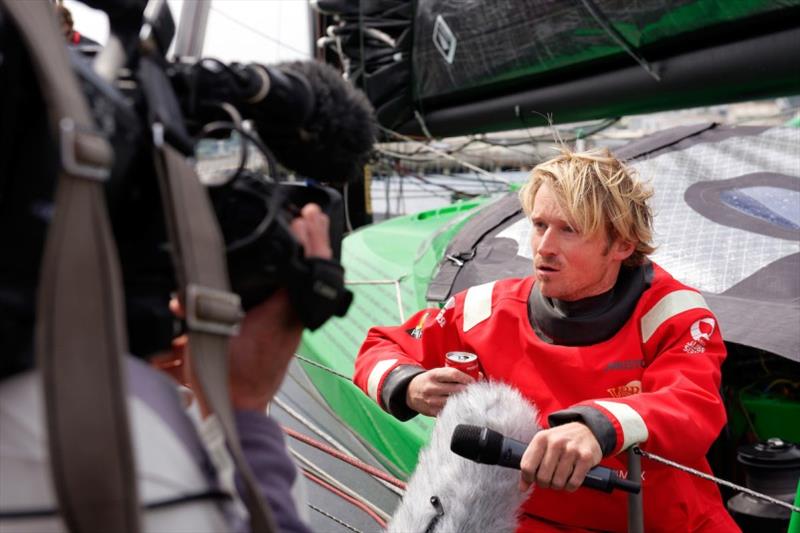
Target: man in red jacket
(611,349)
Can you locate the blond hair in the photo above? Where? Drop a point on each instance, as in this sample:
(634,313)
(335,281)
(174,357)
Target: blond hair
(596,190)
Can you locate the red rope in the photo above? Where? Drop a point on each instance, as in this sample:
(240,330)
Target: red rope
(361,505)
(371,470)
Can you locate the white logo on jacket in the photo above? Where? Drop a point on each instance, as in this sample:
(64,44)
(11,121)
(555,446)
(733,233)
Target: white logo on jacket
(449,304)
(701,332)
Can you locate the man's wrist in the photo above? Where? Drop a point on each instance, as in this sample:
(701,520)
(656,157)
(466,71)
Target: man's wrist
(600,426)
(395,390)
(250,403)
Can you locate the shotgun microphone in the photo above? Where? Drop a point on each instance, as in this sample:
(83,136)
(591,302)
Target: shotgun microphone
(313,120)
(484,445)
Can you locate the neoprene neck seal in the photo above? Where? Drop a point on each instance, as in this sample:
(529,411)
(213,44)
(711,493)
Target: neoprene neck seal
(591,320)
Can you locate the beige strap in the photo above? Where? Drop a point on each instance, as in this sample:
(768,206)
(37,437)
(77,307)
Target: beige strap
(80,331)
(212,311)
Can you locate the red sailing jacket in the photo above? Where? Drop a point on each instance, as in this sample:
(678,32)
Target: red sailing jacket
(656,381)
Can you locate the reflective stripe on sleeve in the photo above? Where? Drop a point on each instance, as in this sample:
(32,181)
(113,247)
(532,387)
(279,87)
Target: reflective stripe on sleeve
(478,305)
(376,376)
(669,306)
(634,430)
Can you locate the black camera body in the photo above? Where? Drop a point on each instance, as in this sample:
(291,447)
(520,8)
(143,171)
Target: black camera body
(253,211)
(262,254)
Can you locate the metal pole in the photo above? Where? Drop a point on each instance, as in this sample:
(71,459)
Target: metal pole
(314,23)
(192,28)
(635,511)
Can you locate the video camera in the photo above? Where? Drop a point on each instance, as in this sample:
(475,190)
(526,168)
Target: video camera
(304,115)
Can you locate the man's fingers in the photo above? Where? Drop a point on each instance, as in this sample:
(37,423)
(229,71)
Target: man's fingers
(451,375)
(317,242)
(563,472)
(428,392)
(436,403)
(299,227)
(175,307)
(530,462)
(547,467)
(578,475)
(444,388)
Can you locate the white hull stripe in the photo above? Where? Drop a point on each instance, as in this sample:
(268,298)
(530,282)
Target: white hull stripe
(634,429)
(670,305)
(376,376)
(478,305)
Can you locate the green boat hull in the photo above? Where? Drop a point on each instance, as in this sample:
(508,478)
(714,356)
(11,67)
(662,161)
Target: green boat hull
(388,267)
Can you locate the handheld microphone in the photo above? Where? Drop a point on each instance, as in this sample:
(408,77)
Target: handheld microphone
(484,445)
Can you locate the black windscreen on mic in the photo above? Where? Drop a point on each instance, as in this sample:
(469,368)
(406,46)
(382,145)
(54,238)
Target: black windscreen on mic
(484,445)
(313,120)
(335,141)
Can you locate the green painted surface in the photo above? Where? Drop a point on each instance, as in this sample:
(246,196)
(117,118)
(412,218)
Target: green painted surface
(771,416)
(407,249)
(794,521)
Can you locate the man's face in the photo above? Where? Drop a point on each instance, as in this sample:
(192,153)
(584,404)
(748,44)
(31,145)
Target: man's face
(568,265)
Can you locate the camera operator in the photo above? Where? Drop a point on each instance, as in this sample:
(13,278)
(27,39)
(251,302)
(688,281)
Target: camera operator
(258,358)
(181,482)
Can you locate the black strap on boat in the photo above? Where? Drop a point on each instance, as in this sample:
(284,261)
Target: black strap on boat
(213,312)
(462,248)
(80,330)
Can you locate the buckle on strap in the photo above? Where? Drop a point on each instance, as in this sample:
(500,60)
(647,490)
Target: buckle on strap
(212,311)
(84,153)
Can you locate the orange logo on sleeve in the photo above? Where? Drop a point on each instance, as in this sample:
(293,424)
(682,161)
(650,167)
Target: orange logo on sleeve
(632,387)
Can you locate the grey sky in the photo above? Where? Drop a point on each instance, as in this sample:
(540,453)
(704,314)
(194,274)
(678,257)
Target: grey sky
(265,31)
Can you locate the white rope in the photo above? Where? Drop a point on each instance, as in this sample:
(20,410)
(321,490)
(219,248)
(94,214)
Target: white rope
(395,282)
(339,485)
(493,177)
(331,517)
(709,477)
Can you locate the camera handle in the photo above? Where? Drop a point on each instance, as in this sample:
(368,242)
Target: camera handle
(80,329)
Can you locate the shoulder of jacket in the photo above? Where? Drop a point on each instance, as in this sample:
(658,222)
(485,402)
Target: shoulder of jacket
(666,299)
(478,302)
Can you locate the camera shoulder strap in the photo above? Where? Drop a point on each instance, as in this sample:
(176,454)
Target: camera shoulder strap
(213,312)
(80,327)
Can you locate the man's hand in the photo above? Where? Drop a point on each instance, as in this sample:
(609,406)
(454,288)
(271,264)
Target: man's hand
(428,392)
(559,458)
(271,331)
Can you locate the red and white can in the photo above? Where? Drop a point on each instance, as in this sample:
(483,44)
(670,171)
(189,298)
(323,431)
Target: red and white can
(464,361)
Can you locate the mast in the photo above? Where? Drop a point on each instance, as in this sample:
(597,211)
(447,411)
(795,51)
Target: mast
(192,28)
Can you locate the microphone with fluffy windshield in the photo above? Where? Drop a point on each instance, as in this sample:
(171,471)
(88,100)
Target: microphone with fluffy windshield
(483,445)
(335,140)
